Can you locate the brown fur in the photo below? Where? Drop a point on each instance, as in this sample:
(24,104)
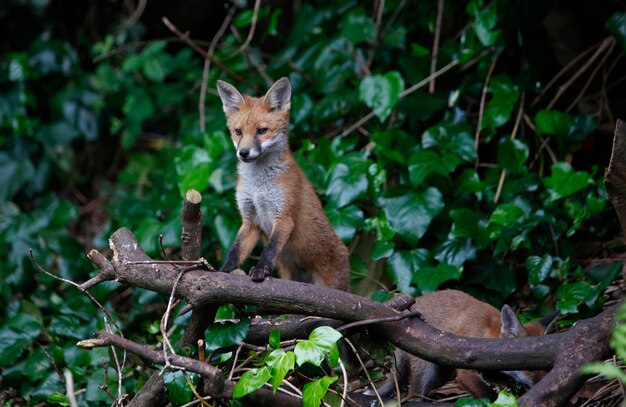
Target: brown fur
(463,315)
(302,243)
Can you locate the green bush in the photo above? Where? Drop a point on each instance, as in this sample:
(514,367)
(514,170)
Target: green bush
(90,145)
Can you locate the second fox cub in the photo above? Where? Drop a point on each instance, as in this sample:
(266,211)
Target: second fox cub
(276,200)
(463,315)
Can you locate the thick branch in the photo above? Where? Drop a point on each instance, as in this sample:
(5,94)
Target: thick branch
(191,235)
(152,394)
(411,335)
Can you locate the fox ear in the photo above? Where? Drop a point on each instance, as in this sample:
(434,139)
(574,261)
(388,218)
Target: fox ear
(279,95)
(510,326)
(231,97)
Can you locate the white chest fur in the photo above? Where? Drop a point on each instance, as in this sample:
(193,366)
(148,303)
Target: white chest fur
(259,195)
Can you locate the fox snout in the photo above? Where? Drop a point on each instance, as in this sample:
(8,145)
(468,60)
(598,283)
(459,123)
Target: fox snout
(246,154)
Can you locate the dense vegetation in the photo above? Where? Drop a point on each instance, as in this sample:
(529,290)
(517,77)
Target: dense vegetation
(488,178)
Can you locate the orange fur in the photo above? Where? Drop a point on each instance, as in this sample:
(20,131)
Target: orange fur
(463,315)
(276,200)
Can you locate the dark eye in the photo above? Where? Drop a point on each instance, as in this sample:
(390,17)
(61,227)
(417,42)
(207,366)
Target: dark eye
(238,132)
(261,130)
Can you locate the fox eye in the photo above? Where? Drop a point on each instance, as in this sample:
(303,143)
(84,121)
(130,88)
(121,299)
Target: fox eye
(261,130)
(238,132)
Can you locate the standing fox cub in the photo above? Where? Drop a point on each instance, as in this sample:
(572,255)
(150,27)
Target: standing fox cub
(275,199)
(463,315)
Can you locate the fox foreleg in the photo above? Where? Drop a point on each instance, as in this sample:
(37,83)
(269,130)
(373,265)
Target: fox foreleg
(281,231)
(247,237)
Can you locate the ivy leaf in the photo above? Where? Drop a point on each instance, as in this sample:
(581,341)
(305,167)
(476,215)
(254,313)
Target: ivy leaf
(192,168)
(569,295)
(58,398)
(468,223)
(564,181)
(357,27)
(512,154)
(177,387)
(280,363)
(345,221)
(428,279)
(223,334)
(456,252)
(617,26)
(275,338)
(250,381)
(325,338)
(382,249)
(425,162)
(381,92)
(411,213)
(16,335)
(539,268)
(469,402)
(402,265)
(348,181)
(307,351)
(505,400)
(313,392)
(502,103)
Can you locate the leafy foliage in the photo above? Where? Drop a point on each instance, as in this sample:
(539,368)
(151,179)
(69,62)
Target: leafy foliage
(99,134)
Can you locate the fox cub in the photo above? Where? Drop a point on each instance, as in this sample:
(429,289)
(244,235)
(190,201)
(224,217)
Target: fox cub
(463,315)
(275,199)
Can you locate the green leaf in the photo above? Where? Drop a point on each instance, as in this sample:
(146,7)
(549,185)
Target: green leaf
(553,122)
(608,370)
(617,26)
(192,168)
(154,69)
(485,22)
(501,105)
(425,162)
(58,398)
(504,400)
(307,351)
(250,381)
(428,279)
(382,249)
(280,363)
(570,295)
(177,387)
(512,155)
(381,92)
(470,224)
(275,338)
(506,215)
(402,265)
(456,252)
(223,334)
(325,337)
(313,392)
(347,182)
(564,181)
(469,402)
(17,334)
(358,27)
(539,268)
(411,213)
(14,174)
(345,221)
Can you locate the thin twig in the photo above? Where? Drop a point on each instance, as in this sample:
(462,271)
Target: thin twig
(345,383)
(364,370)
(378,320)
(518,119)
(481,108)
(207,66)
(563,70)
(69,388)
(255,15)
(435,53)
(185,37)
(118,366)
(591,77)
(232,370)
(54,365)
(606,43)
(79,287)
(402,94)
(141,6)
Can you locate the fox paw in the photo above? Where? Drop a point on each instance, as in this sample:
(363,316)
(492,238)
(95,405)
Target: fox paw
(258,274)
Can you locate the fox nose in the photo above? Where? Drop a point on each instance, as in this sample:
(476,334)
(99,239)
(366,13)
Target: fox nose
(244,152)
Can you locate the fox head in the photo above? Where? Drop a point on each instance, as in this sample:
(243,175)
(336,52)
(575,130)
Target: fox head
(257,126)
(511,327)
